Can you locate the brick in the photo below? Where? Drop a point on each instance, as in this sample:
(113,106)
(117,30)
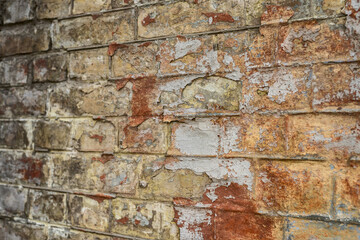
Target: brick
(196,138)
(145,97)
(96,135)
(14,135)
(96,30)
(335,87)
(83,6)
(161,20)
(89,65)
(102,172)
(47,206)
(165,184)
(231,186)
(241,226)
(262,45)
(91,213)
(347,200)
(305,229)
(323,135)
(18,11)
(256,8)
(150,136)
(52,135)
(188,55)
(295,188)
(24,39)
(13,202)
(285,89)
(135,60)
(52,8)
(16,102)
(195,223)
(56,233)
(90,99)
(252,135)
(327,8)
(298,42)
(50,68)
(143,219)
(191,95)
(14,71)
(17,230)
(22,168)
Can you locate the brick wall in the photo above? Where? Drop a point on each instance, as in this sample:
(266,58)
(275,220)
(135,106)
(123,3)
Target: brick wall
(182,119)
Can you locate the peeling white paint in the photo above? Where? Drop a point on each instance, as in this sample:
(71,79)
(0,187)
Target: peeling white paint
(184,48)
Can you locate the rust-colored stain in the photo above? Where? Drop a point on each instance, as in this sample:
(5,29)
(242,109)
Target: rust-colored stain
(147,20)
(123,220)
(99,197)
(104,158)
(96,16)
(219,17)
(352,190)
(115,46)
(97,137)
(33,168)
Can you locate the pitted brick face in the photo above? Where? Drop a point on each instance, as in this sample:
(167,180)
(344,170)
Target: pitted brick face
(179,119)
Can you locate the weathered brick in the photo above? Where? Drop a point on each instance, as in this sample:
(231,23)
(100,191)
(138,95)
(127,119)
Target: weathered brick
(347,195)
(163,184)
(143,219)
(92,213)
(89,64)
(14,135)
(241,226)
(199,138)
(52,8)
(16,102)
(20,167)
(326,8)
(47,206)
(18,10)
(299,41)
(195,223)
(185,17)
(149,136)
(251,135)
(336,87)
(135,60)
(14,71)
(103,29)
(15,230)
(305,229)
(262,45)
(50,68)
(191,95)
(188,55)
(24,39)
(295,188)
(285,89)
(323,135)
(256,8)
(83,6)
(102,172)
(52,135)
(90,99)
(93,135)
(13,201)
(57,233)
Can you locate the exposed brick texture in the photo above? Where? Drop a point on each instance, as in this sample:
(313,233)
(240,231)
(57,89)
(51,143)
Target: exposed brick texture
(179,119)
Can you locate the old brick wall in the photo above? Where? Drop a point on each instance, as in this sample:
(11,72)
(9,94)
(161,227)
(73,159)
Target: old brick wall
(181,119)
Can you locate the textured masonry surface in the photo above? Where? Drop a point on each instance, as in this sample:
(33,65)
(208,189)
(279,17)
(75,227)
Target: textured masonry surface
(180,119)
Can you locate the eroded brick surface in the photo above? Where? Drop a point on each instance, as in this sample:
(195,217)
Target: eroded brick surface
(179,119)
